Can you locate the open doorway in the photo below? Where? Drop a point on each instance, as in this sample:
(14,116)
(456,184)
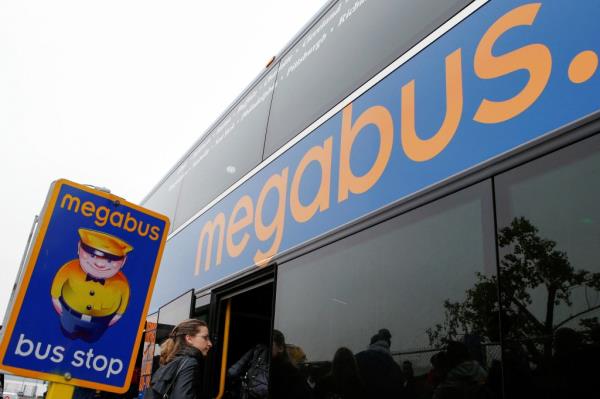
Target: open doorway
(244,319)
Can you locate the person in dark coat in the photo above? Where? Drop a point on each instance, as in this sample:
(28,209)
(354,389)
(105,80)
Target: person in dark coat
(382,376)
(251,373)
(286,380)
(181,361)
(343,381)
(465,378)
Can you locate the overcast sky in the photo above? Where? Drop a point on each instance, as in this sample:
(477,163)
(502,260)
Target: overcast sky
(113,93)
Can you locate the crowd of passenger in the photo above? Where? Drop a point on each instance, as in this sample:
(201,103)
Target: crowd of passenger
(456,372)
(371,373)
(374,373)
(459,371)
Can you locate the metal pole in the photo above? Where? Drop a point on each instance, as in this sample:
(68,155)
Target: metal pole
(225,350)
(59,391)
(36,219)
(21,269)
(33,226)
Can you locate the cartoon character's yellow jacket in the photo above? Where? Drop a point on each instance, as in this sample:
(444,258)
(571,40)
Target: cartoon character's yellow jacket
(87,296)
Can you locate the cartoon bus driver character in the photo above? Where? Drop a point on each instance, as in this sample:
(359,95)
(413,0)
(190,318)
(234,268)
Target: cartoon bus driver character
(91,293)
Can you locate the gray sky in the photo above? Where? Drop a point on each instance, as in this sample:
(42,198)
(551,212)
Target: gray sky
(113,93)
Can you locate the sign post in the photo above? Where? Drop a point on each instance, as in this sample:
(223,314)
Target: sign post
(59,391)
(77,316)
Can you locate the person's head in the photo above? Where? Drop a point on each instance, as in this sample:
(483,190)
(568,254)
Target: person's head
(374,339)
(279,350)
(101,255)
(439,361)
(385,335)
(344,364)
(566,340)
(296,354)
(382,335)
(456,353)
(190,333)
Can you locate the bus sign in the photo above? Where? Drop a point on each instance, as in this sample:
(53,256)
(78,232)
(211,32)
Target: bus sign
(78,313)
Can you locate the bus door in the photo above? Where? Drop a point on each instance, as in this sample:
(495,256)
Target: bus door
(242,320)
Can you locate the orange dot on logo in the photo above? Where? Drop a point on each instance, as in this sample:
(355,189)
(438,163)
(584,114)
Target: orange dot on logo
(583,66)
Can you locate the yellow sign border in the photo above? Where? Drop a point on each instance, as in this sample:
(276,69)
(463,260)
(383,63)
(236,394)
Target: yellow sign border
(47,212)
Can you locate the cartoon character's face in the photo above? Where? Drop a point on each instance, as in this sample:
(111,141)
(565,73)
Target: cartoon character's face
(99,266)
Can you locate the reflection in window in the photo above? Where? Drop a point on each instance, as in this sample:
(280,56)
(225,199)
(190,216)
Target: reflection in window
(393,288)
(549,236)
(177,310)
(229,151)
(164,199)
(351,43)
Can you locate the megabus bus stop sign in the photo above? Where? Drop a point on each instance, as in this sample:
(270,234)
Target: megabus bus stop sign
(77,315)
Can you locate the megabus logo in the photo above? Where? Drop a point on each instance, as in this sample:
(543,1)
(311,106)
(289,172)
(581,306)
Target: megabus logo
(507,75)
(103,216)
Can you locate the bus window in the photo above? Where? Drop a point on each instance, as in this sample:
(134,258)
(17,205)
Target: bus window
(176,311)
(341,52)
(164,198)
(227,153)
(549,236)
(202,307)
(401,287)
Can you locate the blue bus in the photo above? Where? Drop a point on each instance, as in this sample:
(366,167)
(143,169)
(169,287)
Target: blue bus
(412,182)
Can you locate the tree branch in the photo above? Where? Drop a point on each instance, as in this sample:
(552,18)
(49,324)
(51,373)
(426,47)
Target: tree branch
(528,314)
(562,323)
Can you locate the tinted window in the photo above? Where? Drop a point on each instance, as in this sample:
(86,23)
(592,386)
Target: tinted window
(164,199)
(348,46)
(549,235)
(175,311)
(419,276)
(231,149)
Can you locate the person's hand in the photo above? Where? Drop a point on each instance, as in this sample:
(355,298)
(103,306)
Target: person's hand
(57,305)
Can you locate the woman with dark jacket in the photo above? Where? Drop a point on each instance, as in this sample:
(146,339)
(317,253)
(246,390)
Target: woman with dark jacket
(343,380)
(181,362)
(286,380)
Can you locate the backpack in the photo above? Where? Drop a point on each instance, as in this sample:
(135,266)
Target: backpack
(255,383)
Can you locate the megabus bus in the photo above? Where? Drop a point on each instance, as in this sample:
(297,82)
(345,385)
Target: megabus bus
(416,181)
